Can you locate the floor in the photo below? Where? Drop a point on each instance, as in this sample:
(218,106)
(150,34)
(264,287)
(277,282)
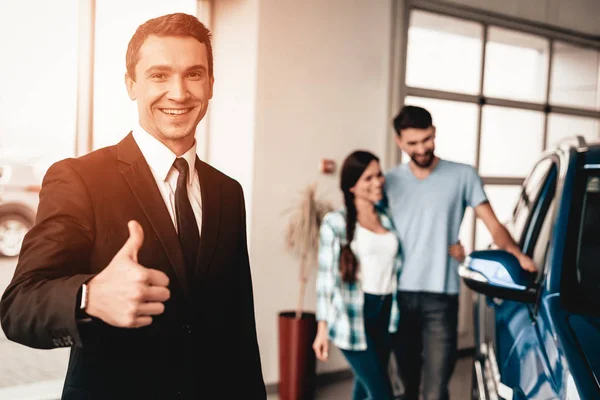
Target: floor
(460,385)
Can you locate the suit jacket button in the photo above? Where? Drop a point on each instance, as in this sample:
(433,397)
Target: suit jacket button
(187,328)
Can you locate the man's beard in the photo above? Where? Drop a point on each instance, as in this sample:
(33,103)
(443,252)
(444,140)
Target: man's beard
(424,161)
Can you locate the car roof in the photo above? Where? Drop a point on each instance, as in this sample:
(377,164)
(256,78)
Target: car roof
(590,151)
(592,154)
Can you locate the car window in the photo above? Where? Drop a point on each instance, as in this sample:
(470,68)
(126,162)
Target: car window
(534,234)
(540,250)
(525,205)
(588,249)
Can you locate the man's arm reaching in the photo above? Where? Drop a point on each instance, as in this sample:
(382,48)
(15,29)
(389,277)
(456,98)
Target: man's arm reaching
(502,237)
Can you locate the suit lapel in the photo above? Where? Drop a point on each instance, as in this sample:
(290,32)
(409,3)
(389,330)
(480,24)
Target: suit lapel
(139,177)
(210,190)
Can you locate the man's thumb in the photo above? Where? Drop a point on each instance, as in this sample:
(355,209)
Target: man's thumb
(135,241)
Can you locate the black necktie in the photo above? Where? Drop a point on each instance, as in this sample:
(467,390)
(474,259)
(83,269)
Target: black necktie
(187,227)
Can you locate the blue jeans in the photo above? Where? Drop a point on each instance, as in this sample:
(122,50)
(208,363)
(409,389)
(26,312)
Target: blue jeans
(370,366)
(426,340)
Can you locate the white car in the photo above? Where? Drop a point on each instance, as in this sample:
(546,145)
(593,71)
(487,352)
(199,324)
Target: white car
(19,196)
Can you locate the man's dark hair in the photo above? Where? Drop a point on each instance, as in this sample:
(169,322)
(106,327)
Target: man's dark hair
(412,117)
(178,24)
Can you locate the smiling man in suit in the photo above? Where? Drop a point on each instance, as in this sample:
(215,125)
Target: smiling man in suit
(138,259)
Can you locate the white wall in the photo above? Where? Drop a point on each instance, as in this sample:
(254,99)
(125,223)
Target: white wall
(323,81)
(321,91)
(576,15)
(232,114)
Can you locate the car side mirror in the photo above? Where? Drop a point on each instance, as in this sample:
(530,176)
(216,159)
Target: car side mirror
(497,273)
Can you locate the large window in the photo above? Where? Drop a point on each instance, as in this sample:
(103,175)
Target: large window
(499,96)
(38,76)
(39,81)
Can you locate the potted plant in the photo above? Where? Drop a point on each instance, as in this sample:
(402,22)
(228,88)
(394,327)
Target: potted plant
(297,329)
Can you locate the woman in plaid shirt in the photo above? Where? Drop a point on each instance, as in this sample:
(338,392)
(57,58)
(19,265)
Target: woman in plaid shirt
(359,266)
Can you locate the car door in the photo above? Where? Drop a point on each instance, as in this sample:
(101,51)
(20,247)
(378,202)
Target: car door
(512,343)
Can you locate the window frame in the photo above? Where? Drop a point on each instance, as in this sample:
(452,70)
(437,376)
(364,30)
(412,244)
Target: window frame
(527,236)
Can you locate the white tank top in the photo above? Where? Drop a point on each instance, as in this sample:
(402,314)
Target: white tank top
(376,254)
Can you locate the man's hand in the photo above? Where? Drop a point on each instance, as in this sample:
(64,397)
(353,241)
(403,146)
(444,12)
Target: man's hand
(126,294)
(526,262)
(502,237)
(457,251)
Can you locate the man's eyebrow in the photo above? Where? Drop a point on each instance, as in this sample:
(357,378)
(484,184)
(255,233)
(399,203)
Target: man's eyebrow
(196,68)
(420,141)
(158,68)
(166,68)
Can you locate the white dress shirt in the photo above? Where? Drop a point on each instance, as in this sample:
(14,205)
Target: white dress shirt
(160,159)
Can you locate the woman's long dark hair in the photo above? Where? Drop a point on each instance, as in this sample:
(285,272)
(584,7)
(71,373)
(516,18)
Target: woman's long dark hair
(354,166)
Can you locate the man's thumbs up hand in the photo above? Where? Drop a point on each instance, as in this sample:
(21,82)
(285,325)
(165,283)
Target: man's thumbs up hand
(133,245)
(126,294)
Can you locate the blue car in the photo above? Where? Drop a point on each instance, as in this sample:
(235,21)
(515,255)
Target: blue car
(538,335)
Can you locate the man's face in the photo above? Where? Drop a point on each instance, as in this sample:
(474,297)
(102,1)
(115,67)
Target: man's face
(419,144)
(172,86)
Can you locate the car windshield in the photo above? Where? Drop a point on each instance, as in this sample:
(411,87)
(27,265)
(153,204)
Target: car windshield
(588,247)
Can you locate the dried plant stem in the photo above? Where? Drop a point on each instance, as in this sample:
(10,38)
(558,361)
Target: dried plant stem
(302,235)
(303,281)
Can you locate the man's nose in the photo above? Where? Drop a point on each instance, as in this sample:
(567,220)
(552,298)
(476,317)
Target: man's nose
(178,90)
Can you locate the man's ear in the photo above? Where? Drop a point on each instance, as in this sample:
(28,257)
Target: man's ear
(399,142)
(130,85)
(434,130)
(211,84)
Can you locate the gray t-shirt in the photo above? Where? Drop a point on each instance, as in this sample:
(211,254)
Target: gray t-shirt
(427,215)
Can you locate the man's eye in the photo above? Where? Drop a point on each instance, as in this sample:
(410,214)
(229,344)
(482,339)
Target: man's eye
(195,75)
(157,76)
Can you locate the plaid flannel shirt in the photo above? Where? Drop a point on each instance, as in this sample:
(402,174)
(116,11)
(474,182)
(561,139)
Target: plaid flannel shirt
(340,304)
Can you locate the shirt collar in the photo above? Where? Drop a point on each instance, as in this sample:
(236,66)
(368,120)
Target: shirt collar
(159,157)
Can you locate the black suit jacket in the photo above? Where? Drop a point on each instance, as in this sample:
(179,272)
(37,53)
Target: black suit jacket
(203,346)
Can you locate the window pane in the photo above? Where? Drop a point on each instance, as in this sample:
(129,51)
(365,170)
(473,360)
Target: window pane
(511,141)
(502,199)
(39,85)
(444,53)
(116,21)
(37,127)
(561,126)
(575,77)
(516,65)
(456,128)
(540,251)
(533,186)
